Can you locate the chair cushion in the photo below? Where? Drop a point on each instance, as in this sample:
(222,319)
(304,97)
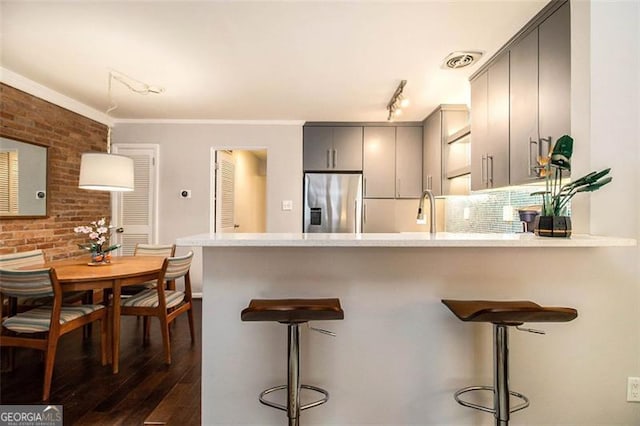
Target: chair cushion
(37,320)
(149,299)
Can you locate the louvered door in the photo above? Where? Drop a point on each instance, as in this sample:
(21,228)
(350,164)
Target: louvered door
(135,211)
(225,184)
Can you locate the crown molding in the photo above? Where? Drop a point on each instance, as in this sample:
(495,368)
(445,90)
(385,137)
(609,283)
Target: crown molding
(19,82)
(209,121)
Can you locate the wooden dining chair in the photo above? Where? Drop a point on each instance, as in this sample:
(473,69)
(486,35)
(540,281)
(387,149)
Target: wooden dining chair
(165,304)
(161,250)
(35,259)
(40,328)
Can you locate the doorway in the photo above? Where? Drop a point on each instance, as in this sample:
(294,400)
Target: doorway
(239,190)
(136,212)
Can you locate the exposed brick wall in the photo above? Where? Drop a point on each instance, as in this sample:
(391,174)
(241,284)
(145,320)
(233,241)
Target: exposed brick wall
(67,134)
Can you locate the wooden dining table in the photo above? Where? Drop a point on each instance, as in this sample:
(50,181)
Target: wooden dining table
(78,274)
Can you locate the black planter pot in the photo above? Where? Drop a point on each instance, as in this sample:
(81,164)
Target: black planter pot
(553,226)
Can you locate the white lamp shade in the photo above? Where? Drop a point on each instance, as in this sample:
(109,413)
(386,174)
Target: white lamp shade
(106,172)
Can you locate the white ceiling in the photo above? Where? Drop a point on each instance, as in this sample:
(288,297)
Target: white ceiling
(263,60)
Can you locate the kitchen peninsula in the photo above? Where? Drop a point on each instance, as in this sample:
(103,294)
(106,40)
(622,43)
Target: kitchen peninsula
(399,354)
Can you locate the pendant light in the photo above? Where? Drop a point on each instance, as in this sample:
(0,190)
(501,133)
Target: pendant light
(104,171)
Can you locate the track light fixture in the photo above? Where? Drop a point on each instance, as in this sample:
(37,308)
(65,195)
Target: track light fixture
(397,102)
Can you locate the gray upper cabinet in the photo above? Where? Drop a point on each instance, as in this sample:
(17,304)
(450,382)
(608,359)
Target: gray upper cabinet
(540,94)
(408,162)
(379,165)
(555,76)
(479,131)
(523,98)
(524,139)
(490,127)
(443,122)
(497,157)
(328,148)
(432,153)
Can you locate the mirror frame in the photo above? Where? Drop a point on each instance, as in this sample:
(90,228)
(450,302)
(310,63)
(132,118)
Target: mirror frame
(47,171)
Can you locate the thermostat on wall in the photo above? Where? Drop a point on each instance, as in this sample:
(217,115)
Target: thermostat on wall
(185,193)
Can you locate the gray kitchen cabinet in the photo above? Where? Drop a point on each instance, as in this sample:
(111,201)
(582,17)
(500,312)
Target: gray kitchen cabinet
(327,148)
(379,165)
(490,126)
(479,131)
(378,215)
(432,153)
(555,76)
(438,127)
(540,80)
(524,137)
(408,162)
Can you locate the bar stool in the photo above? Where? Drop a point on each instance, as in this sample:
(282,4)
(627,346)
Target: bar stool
(503,314)
(293,312)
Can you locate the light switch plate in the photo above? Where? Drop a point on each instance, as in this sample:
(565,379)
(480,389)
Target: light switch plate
(287,205)
(633,389)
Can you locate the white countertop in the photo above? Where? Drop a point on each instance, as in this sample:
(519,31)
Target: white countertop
(404,239)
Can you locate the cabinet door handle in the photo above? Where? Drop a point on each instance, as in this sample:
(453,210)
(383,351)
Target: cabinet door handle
(490,176)
(335,158)
(328,158)
(364,180)
(483,170)
(364,213)
(533,164)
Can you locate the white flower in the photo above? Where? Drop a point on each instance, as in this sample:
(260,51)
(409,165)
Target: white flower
(102,230)
(101,240)
(93,235)
(102,222)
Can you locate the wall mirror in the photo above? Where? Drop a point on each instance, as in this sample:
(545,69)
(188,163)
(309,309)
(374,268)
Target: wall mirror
(23,179)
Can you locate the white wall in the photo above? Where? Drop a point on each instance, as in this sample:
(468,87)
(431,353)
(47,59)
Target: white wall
(185,152)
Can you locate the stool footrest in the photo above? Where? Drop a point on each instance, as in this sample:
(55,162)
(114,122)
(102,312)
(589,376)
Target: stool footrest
(282,407)
(460,401)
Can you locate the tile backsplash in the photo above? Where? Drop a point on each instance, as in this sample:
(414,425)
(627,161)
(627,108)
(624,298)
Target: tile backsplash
(490,211)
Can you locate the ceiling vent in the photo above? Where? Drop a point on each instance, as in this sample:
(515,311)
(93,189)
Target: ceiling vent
(457,60)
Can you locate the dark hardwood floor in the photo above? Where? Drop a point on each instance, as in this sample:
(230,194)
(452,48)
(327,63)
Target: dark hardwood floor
(145,391)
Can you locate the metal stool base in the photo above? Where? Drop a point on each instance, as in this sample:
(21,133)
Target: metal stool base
(461,401)
(283,407)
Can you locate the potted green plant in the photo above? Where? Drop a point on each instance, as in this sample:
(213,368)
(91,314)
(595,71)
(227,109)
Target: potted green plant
(553,220)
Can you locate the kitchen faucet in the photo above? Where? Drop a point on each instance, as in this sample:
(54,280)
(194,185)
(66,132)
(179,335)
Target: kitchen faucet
(432,210)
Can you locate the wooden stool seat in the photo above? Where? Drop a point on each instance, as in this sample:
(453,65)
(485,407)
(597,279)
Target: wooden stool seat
(292,310)
(503,315)
(508,312)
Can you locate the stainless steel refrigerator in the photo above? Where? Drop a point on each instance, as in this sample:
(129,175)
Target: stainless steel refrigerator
(333,202)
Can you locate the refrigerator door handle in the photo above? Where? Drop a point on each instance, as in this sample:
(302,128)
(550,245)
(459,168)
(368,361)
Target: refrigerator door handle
(335,158)
(328,158)
(364,213)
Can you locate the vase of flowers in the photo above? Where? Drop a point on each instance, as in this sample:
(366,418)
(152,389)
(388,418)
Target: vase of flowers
(99,233)
(553,220)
